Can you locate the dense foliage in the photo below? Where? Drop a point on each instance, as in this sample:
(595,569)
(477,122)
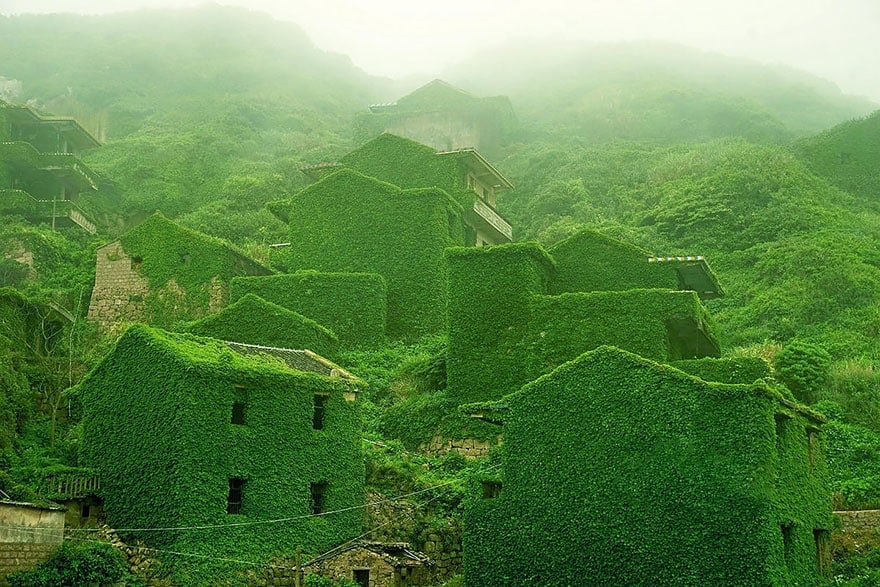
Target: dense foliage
(156,392)
(505,330)
(253,320)
(351,305)
(75,563)
(353,223)
(667,496)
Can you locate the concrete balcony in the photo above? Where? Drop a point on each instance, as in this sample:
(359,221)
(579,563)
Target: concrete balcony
(486,221)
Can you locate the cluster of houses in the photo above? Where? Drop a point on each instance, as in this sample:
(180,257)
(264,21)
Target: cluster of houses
(632,453)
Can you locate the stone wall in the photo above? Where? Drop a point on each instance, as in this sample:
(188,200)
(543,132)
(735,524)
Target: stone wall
(28,535)
(443,546)
(859,520)
(470,448)
(22,557)
(120,292)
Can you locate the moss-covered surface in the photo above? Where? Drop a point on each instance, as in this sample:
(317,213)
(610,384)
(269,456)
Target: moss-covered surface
(590,261)
(352,305)
(184,268)
(726,370)
(157,428)
(348,222)
(618,468)
(253,320)
(504,331)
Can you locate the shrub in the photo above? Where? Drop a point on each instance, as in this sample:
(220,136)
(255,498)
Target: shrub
(75,563)
(804,368)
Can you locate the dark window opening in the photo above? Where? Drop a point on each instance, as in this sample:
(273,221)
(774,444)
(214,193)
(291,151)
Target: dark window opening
(362,577)
(85,511)
(320,402)
(136,262)
(317,494)
(233,500)
(812,446)
(780,428)
(239,402)
(491,489)
(184,258)
(823,553)
(787,530)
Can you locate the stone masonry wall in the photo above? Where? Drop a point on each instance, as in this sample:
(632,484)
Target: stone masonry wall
(16,557)
(470,448)
(859,520)
(28,536)
(120,292)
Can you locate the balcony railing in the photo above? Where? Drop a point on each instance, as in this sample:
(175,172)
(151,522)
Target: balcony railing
(21,202)
(491,217)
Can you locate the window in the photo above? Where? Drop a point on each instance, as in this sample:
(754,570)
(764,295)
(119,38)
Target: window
(233,500)
(239,401)
(780,428)
(361,577)
(320,402)
(823,554)
(317,493)
(491,489)
(787,542)
(812,446)
(85,511)
(185,258)
(136,262)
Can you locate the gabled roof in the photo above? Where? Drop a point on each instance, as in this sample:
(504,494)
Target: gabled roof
(146,236)
(396,554)
(281,327)
(618,360)
(436,94)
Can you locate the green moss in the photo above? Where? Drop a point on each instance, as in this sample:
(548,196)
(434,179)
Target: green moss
(156,427)
(670,481)
(253,320)
(352,305)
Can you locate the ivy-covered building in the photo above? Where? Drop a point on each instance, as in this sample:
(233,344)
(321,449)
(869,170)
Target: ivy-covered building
(160,272)
(41,175)
(517,311)
(229,451)
(444,117)
(617,470)
(391,208)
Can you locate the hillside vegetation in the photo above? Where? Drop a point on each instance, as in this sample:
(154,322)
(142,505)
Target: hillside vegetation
(207,114)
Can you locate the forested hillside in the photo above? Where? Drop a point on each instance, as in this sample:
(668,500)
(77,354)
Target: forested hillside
(208,114)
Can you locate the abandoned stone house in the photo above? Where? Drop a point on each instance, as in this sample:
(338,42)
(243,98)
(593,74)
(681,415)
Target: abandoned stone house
(160,272)
(445,118)
(642,474)
(375,564)
(41,175)
(187,432)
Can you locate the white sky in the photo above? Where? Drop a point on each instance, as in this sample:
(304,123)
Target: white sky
(835,39)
